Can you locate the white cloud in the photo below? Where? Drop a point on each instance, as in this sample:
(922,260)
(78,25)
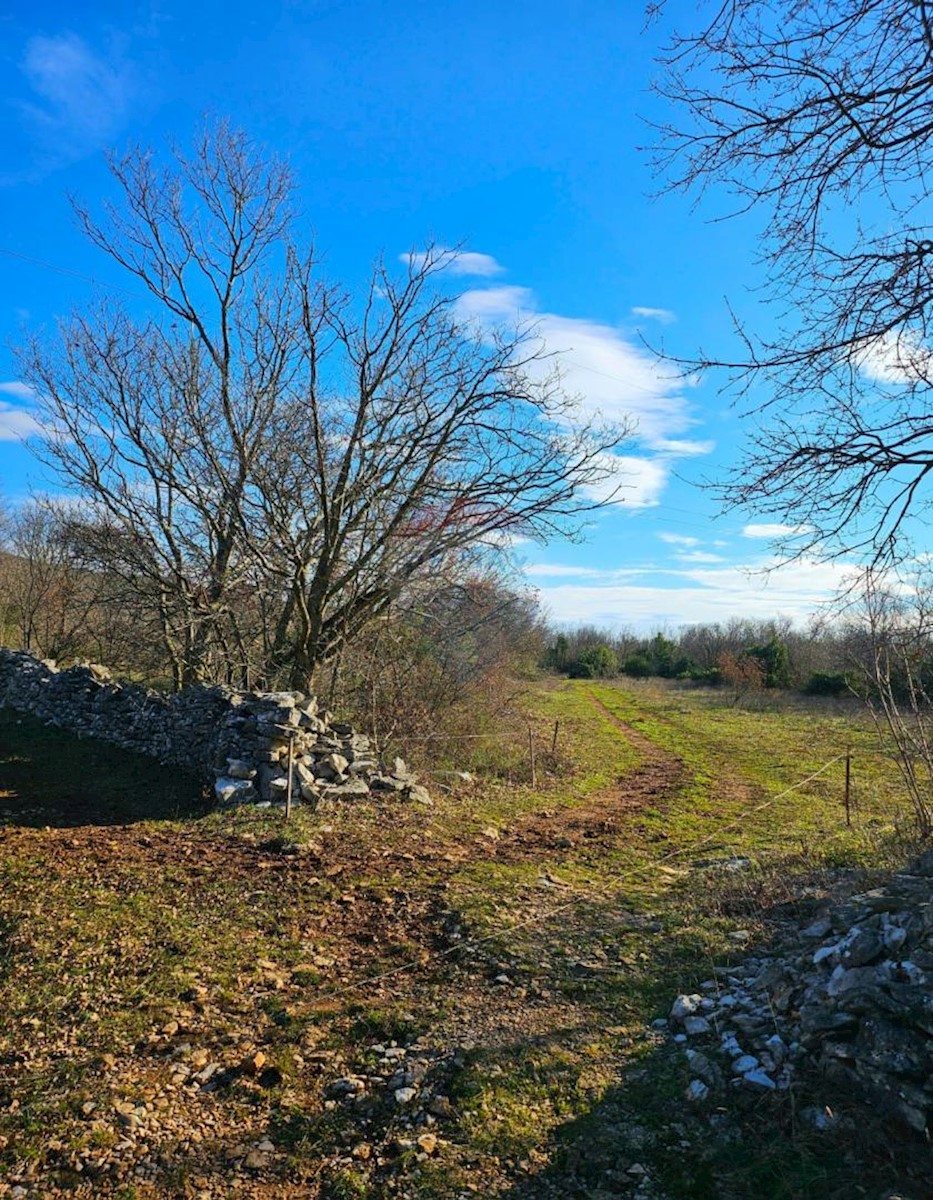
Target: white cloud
(664,315)
(78,100)
(773,530)
(679,539)
(614,377)
(504,539)
(21,391)
(16,424)
(459,262)
(684,447)
(701,594)
(898,357)
(699,556)
(632,482)
(561,570)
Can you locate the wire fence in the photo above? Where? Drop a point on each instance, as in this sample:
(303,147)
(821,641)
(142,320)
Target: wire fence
(596,894)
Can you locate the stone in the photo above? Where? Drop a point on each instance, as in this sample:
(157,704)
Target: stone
(704,1068)
(231,790)
(404,1095)
(861,947)
(695,1026)
(240,768)
(253,1063)
(236,741)
(759,1078)
(385,783)
(350,1085)
(352,789)
(894,938)
(685,1006)
(697,1090)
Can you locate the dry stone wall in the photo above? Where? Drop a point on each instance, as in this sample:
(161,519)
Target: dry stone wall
(240,741)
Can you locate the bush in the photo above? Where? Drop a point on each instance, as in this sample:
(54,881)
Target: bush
(638,666)
(774,661)
(824,683)
(703,676)
(596,662)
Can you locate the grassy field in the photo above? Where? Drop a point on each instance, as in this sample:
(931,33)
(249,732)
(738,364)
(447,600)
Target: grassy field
(215,1004)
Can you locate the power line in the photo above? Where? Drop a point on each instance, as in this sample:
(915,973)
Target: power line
(40,262)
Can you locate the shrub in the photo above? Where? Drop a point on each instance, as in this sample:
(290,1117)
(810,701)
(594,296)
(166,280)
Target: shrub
(704,676)
(774,661)
(596,662)
(638,666)
(824,683)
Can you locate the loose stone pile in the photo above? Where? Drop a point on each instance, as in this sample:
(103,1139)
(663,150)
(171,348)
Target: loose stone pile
(849,994)
(261,730)
(239,740)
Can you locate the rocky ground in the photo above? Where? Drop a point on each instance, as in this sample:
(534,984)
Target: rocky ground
(221,1006)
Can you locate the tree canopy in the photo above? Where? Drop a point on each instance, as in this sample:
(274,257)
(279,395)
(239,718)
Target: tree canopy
(270,460)
(819,115)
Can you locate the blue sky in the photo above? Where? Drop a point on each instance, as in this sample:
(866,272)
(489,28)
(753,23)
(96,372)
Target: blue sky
(511,129)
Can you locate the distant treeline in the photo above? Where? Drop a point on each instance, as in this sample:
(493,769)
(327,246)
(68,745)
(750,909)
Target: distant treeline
(739,654)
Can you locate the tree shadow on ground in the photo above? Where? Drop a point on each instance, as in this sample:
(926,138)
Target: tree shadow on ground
(49,777)
(644,1141)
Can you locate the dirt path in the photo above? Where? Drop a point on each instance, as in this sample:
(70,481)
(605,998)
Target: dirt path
(235,911)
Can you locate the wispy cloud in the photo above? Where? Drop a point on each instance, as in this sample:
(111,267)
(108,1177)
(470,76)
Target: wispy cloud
(683,447)
(699,556)
(564,570)
(77,99)
(662,315)
(630,481)
(700,593)
(460,262)
(768,530)
(613,376)
(21,391)
(679,539)
(17,422)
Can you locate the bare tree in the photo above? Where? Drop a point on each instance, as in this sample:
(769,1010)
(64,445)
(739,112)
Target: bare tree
(896,668)
(819,114)
(46,596)
(269,463)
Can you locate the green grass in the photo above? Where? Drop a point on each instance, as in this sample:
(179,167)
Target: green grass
(127,909)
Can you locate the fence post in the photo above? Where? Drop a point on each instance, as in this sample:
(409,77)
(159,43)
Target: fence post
(554,738)
(848,785)
(531,755)
(288,789)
